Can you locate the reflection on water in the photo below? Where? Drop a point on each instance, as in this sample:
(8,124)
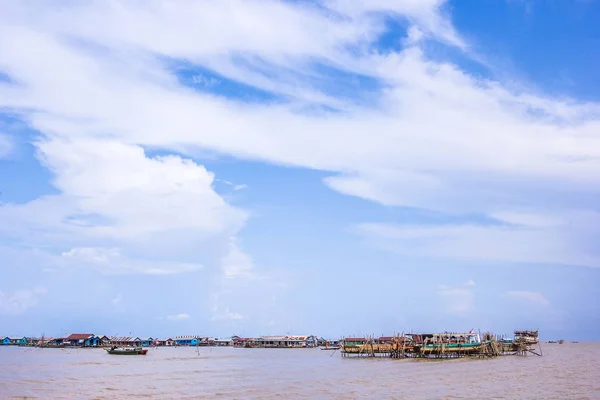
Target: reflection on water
(566,371)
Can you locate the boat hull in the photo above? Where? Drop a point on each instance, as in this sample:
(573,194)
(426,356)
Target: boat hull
(123,352)
(462,348)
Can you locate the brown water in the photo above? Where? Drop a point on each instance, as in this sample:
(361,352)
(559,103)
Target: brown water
(567,371)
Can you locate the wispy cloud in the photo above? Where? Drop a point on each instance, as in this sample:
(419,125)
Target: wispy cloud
(236,263)
(234,186)
(226,315)
(517,238)
(178,317)
(446,141)
(112,194)
(413,132)
(534,298)
(458,300)
(6,145)
(206,81)
(19,301)
(110,261)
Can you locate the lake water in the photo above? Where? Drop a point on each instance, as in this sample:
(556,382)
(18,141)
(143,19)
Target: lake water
(567,371)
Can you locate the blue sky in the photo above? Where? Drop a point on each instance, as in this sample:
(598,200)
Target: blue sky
(264,167)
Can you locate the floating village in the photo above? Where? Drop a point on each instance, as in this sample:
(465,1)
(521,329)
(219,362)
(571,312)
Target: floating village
(410,345)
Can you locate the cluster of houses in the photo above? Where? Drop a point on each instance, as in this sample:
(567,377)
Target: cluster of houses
(13,340)
(92,340)
(289,341)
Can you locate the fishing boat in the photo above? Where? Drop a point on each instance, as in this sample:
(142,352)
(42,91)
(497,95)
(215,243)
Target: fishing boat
(448,343)
(526,337)
(435,348)
(127,351)
(331,345)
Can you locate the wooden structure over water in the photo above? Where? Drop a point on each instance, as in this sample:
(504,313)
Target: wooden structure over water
(523,342)
(441,345)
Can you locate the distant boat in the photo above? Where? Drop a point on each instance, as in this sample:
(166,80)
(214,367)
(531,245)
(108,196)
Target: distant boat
(561,341)
(575,342)
(552,341)
(127,351)
(330,348)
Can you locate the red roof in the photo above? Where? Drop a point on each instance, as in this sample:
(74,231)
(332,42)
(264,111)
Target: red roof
(79,336)
(354,339)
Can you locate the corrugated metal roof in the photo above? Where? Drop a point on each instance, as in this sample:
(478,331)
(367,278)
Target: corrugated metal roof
(124,339)
(79,336)
(284,338)
(274,338)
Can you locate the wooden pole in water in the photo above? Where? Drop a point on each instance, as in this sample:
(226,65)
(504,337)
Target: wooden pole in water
(402,338)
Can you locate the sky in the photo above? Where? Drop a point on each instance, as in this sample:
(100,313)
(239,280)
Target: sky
(327,167)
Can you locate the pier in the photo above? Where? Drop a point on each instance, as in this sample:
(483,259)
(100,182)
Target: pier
(442,345)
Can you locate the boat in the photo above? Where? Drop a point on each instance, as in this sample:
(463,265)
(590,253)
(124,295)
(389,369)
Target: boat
(331,345)
(443,343)
(440,348)
(127,351)
(526,337)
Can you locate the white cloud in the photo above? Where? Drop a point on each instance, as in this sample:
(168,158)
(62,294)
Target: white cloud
(436,138)
(527,297)
(178,317)
(234,186)
(110,261)
(425,13)
(148,214)
(226,315)
(528,220)
(204,80)
(534,239)
(236,263)
(413,36)
(19,301)
(135,194)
